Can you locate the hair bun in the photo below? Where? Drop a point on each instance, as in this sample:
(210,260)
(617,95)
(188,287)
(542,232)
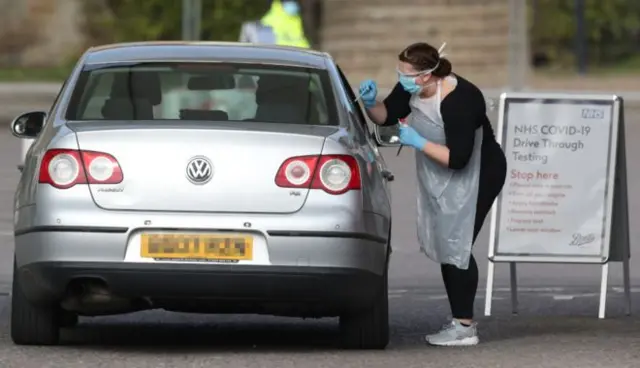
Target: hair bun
(444,68)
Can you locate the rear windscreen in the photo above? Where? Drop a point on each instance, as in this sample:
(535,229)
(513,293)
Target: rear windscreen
(204,91)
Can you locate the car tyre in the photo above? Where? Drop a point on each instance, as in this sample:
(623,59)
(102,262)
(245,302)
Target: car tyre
(68,319)
(32,324)
(368,329)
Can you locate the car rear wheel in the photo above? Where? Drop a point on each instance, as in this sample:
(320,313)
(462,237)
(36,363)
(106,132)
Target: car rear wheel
(31,324)
(368,329)
(68,319)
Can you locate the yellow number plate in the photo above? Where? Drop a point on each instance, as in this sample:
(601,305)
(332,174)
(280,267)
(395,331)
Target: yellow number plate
(197,246)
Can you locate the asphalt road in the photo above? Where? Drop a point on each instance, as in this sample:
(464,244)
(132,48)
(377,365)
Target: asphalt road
(557,325)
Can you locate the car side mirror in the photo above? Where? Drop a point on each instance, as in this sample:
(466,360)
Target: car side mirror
(387,136)
(28,125)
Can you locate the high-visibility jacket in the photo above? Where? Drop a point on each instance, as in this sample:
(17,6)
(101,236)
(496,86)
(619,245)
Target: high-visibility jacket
(276,28)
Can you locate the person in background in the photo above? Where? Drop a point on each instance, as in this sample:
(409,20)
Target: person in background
(281,25)
(460,166)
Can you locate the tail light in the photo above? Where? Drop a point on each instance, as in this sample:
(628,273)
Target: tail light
(64,168)
(335,174)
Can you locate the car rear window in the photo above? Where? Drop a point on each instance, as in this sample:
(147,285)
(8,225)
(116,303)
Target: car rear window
(204,91)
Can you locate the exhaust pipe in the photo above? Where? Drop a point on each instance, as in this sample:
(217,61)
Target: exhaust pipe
(91,297)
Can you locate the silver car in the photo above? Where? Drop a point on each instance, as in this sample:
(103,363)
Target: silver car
(139,192)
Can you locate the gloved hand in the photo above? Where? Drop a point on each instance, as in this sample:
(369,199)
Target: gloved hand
(410,137)
(368,90)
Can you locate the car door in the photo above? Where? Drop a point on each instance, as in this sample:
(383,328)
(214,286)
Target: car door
(383,175)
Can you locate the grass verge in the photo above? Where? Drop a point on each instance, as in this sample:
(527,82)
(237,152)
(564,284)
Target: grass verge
(53,74)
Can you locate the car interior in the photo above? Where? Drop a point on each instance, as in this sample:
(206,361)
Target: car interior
(133,95)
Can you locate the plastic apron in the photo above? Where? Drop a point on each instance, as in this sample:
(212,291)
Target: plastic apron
(446,198)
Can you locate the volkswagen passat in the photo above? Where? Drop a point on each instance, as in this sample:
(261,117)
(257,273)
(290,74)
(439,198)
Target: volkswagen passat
(157,181)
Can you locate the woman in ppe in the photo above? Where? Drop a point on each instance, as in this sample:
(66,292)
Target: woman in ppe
(460,168)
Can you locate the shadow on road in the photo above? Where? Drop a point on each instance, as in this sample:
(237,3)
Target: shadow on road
(320,336)
(541,320)
(230,337)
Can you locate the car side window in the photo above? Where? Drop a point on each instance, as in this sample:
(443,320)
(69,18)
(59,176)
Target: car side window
(55,102)
(319,102)
(352,98)
(99,87)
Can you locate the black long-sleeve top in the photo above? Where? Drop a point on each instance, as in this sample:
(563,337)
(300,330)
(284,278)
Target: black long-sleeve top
(463,112)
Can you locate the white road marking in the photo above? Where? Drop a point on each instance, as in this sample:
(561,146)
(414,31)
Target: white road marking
(481,295)
(535,290)
(437,297)
(501,290)
(573,296)
(398,291)
(557,290)
(621,289)
(532,289)
(587,295)
(563,297)
(440,297)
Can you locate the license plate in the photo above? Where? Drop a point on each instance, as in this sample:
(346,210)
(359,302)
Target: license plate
(197,247)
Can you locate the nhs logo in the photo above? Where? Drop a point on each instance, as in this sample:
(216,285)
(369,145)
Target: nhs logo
(590,113)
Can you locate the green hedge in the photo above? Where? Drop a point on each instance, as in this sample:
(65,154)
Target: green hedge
(135,20)
(612,26)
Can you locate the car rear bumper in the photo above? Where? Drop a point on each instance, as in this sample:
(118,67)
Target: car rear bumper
(112,245)
(292,273)
(229,288)
(341,237)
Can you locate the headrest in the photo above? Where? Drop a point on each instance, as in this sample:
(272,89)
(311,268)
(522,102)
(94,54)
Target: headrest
(127,109)
(281,88)
(212,115)
(281,113)
(138,85)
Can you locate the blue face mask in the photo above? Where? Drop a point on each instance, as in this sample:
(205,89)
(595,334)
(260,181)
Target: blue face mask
(408,81)
(291,7)
(409,84)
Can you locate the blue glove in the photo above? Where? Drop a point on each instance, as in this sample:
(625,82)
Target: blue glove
(368,92)
(410,137)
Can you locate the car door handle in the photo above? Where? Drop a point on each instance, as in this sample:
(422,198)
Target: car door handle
(388,175)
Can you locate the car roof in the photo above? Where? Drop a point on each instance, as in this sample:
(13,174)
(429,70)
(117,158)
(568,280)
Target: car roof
(206,51)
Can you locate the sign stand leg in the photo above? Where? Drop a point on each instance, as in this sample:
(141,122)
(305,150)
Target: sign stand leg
(627,283)
(603,291)
(514,287)
(489,290)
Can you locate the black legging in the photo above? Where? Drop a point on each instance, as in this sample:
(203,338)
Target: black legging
(461,285)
